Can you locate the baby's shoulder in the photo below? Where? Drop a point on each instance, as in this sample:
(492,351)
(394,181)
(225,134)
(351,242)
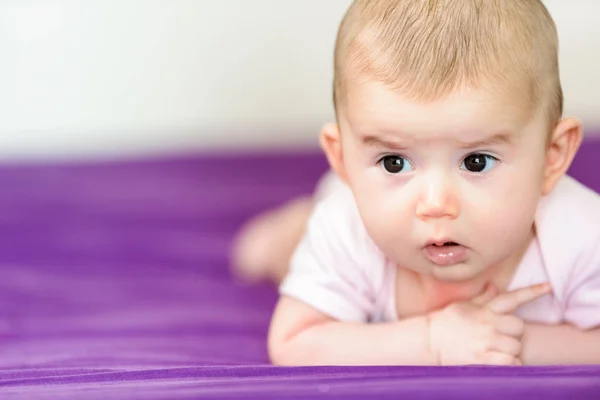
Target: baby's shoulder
(568,230)
(336,220)
(334,268)
(569,237)
(571,216)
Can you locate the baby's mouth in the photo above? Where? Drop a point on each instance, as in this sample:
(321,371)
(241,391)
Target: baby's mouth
(442,243)
(445,252)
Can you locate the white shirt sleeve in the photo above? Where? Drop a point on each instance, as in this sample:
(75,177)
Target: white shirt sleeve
(583,293)
(568,229)
(334,265)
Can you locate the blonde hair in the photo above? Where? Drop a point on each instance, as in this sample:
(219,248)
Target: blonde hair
(429,48)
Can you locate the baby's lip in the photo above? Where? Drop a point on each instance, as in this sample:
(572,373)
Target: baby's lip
(445,256)
(441,242)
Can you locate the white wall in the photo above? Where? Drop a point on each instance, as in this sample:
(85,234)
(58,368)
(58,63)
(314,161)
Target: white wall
(104,76)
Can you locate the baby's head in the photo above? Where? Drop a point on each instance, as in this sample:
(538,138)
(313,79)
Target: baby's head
(449,128)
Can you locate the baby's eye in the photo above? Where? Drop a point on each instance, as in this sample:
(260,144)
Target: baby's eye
(396,164)
(479,163)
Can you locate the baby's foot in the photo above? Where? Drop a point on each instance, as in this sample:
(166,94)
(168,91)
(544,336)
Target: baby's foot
(264,246)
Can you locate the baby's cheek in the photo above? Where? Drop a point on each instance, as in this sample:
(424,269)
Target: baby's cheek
(503,217)
(376,210)
(384,216)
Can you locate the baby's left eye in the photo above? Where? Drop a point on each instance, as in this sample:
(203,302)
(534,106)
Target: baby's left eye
(396,164)
(479,163)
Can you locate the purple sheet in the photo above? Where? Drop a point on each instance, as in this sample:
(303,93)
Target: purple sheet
(114,284)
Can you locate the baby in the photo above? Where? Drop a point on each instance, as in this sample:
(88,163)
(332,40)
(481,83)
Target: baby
(441,236)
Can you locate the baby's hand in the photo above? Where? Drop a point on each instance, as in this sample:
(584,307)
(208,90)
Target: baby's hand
(482,331)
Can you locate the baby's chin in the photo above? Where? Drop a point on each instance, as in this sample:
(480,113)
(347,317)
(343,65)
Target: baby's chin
(459,273)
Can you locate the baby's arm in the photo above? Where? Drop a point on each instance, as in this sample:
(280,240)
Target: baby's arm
(577,340)
(330,281)
(560,344)
(300,335)
(481,331)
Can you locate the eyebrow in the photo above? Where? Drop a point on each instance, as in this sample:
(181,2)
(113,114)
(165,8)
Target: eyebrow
(375,141)
(497,139)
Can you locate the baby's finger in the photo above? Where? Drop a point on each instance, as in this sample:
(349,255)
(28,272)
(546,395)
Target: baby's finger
(488,294)
(518,362)
(498,358)
(509,302)
(507,345)
(510,325)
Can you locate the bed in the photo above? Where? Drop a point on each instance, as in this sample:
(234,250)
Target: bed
(114,283)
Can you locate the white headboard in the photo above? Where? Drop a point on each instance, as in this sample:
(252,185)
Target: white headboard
(112,76)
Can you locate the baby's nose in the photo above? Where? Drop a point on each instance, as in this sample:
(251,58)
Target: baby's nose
(438,199)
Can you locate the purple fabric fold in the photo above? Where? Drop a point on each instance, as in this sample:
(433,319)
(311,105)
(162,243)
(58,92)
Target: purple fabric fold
(114,283)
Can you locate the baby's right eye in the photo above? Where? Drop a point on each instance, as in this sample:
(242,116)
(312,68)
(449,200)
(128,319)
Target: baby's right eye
(396,164)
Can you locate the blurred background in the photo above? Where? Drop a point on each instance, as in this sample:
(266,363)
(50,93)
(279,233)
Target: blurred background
(105,78)
(114,276)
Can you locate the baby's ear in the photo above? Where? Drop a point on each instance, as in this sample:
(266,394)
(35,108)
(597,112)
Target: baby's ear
(563,146)
(331,143)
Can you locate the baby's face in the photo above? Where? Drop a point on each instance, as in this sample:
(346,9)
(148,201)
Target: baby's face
(446,188)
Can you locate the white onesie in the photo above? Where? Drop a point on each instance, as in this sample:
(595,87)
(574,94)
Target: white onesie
(338,270)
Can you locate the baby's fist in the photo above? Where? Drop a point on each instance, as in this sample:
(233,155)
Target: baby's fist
(482,331)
